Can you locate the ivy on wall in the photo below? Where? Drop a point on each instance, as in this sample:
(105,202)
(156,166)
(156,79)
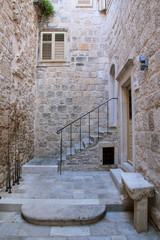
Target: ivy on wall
(46,8)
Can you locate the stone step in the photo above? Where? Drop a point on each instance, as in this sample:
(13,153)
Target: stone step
(87,143)
(95,138)
(41,165)
(64,157)
(116,177)
(39,169)
(61,215)
(77,147)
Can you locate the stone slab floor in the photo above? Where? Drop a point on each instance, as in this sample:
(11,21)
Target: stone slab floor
(71,188)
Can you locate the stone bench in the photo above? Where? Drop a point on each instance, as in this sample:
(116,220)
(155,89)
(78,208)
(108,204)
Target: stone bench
(139,190)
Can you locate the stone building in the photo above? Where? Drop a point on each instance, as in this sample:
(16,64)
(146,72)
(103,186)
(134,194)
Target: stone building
(95,56)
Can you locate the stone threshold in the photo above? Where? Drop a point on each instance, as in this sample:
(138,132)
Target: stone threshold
(62,214)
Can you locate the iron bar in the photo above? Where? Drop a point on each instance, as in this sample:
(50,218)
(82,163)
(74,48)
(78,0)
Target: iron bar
(107,117)
(89,130)
(15,149)
(18,158)
(8,160)
(98,124)
(60,162)
(71,139)
(80,136)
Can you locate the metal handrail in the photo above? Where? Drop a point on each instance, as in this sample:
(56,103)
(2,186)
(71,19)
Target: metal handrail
(58,132)
(70,124)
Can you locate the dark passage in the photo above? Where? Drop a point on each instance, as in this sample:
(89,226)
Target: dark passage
(108,155)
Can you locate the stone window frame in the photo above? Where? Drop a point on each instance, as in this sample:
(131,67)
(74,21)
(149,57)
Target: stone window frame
(89,4)
(101,5)
(53,59)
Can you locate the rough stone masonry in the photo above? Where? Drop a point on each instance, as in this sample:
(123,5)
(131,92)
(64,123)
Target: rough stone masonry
(18,27)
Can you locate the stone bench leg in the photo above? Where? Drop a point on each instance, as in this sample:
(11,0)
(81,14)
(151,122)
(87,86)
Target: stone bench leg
(141,215)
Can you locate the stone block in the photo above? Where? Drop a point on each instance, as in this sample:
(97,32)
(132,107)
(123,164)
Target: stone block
(62,108)
(83,46)
(141,215)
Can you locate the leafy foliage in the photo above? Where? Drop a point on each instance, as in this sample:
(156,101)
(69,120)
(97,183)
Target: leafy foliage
(47,8)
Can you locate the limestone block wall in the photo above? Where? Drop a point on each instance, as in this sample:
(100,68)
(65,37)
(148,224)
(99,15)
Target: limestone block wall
(65,91)
(18,27)
(132,31)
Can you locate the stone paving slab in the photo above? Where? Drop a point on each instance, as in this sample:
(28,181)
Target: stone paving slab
(114,226)
(39,186)
(61,215)
(70,185)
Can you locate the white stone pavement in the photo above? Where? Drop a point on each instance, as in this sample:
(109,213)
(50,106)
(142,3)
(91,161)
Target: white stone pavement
(116,225)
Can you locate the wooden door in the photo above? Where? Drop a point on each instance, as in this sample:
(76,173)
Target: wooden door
(129,124)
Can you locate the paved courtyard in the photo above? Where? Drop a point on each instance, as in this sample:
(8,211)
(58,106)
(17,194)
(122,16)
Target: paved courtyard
(71,188)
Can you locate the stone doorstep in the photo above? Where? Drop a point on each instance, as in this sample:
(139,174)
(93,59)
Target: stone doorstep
(62,215)
(39,169)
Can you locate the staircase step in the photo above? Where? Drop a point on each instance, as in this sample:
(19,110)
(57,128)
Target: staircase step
(64,157)
(39,169)
(77,147)
(61,215)
(86,142)
(70,151)
(95,137)
(116,177)
(40,165)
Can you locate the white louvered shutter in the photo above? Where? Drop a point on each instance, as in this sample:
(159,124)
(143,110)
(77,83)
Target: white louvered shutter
(59,46)
(84,3)
(46,53)
(102,5)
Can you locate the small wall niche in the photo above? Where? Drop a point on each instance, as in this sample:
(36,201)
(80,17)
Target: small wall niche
(108,155)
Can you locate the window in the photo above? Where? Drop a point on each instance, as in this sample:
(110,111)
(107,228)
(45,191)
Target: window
(84,3)
(102,5)
(53,46)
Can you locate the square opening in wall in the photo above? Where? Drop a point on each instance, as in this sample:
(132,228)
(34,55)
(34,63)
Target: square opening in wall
(108,155)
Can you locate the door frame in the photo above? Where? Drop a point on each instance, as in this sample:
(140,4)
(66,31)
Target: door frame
(125,78)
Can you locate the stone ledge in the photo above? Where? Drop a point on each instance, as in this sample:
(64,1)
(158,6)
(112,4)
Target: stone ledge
(116,177)
(136,186)
(61,215)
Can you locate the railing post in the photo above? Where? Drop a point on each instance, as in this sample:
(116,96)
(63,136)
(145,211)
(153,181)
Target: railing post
(107,117)
(80,136)
(98,123)
(89,129)
(60,168)
(71,139)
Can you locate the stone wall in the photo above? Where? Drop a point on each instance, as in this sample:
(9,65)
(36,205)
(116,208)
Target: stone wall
(65,91)
(91,159)
(132,31)
(18,27)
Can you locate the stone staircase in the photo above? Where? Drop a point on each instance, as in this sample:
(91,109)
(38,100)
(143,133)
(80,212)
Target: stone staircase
(84,157)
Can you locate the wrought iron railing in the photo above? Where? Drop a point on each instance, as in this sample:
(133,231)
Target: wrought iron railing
(70,125)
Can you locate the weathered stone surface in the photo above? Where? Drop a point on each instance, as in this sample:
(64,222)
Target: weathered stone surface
(79,86)
(17,79)
(136,186)
(61,215)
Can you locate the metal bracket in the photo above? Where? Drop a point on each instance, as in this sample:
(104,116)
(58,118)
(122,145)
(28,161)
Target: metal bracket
(143,63)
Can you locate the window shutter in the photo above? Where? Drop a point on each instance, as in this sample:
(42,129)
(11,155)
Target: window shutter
(85,3)
(59,51)
(102,5)
(46,46)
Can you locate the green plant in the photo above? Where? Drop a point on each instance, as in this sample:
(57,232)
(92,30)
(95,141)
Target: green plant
(47,8)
